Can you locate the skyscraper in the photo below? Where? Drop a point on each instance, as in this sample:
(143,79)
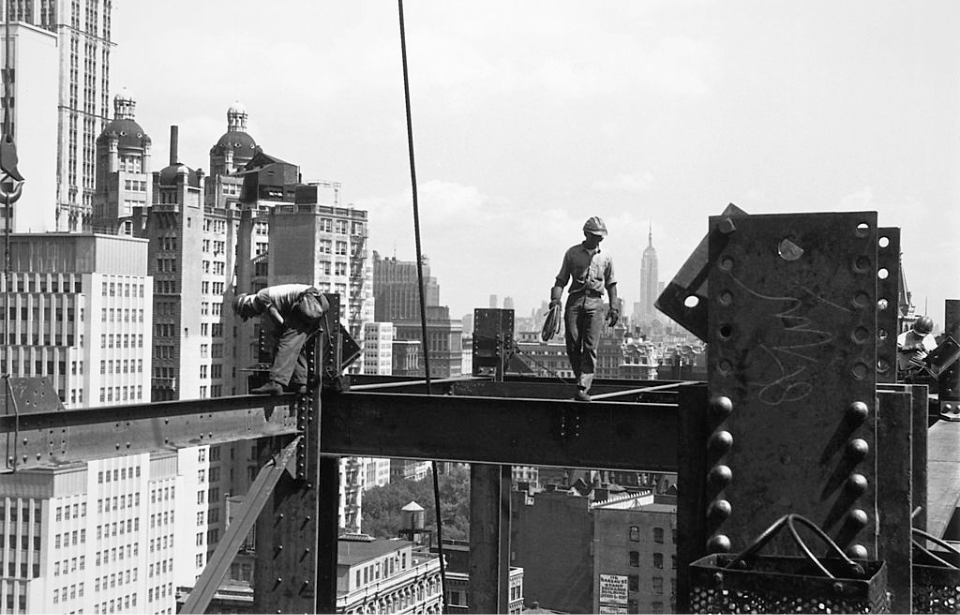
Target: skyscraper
(645,312)
(83,31)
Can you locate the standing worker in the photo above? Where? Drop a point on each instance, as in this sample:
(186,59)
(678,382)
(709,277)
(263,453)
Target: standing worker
(592,272)
(914,345)
(293,315)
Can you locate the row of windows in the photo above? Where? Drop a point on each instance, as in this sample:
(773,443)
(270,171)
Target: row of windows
(155,568)
(24,542)
(120,604)
(128,365)
(118,578)
(125,289)
(657,560)
(125,340)
(15,513)
(28,283)
(128,393)
(121,315)
(110,529)
(117,553)
(658,533)
(76,591)
(119,501)
(78,536)
(71,565)
(119,474)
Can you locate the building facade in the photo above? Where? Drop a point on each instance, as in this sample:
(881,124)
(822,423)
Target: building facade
(33,93)
(635,561)
(386,576)
(83,31)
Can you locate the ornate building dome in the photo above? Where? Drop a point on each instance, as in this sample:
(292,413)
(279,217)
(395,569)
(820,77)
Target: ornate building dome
(124,127)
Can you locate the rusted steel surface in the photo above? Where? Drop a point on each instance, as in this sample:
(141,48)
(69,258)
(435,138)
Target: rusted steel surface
(791,358)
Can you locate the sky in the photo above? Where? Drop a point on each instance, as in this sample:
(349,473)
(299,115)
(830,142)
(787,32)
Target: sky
(531,116)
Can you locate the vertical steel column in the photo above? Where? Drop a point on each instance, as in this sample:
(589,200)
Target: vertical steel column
(792,358)
(888,291)
(298,529)
(894,493)
(489,538)
(695,425)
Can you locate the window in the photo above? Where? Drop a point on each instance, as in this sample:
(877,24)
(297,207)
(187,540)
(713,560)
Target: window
(658,560)
(658,535)
(634,533)
(658,585)
(633,583)
(634,559)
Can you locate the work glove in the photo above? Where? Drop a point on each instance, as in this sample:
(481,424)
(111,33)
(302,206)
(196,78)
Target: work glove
(613,317)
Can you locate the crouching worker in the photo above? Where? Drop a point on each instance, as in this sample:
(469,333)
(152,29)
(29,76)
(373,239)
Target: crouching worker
(292,313)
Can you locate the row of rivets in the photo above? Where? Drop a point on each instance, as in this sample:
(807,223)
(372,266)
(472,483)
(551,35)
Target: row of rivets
(856,484)
(720,475)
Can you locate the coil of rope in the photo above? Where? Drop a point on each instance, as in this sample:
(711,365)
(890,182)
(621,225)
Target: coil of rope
(551,326)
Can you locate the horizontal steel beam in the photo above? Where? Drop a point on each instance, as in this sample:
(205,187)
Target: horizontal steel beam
(496,430)
(44,438)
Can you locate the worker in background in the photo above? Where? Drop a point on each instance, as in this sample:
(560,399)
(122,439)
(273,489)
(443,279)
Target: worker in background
(592,272)
(293,313)
(914,345)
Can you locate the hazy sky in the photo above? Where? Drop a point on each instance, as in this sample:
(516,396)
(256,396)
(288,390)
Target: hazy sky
(529,117)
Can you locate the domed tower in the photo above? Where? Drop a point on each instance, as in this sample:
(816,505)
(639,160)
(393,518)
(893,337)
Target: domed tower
(123,165)
(236,147)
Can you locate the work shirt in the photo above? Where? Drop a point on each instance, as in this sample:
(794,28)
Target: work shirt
(591,271)
(283,297)
(925,345)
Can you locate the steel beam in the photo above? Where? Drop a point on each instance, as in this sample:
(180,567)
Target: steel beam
(46,437)
(603,435)
(489,538)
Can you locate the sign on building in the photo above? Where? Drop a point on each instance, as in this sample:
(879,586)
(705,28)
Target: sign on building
(613,593)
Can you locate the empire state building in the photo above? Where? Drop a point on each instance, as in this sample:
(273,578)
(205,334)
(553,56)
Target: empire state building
(649,283)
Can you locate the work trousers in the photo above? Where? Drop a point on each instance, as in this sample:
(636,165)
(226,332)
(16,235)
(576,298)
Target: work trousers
(289,362)
(583,320)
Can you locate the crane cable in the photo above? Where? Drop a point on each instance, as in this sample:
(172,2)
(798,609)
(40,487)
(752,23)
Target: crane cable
(423,308)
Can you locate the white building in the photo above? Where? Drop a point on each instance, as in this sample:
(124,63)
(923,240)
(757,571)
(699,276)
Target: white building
(34,124)
(378,348)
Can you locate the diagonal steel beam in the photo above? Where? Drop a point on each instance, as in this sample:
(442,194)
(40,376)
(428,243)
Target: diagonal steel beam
(261,489)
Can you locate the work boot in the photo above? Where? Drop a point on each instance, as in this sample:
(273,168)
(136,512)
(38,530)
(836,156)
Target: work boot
(271,388)
(297,387)
(582,395)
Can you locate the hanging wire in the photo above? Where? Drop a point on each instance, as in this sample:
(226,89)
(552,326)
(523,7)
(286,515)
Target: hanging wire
(423,308)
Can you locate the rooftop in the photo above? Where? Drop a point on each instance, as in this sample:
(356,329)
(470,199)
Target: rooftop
(351,552)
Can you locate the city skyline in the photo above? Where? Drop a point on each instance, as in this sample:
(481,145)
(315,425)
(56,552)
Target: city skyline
(657,113)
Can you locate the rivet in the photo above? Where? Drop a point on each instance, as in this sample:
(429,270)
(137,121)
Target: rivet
(721,406)
(720,476)
(858,449)
(857,552)
(721,442)
(279,579)
(719,510)
(856,484)
(858,517)
(718,544)
(837,587)
(858,411)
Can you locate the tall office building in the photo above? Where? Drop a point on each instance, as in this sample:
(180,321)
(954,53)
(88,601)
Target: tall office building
(79,313)
(645,311)
(395,288)
(83,31)
(34,59)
